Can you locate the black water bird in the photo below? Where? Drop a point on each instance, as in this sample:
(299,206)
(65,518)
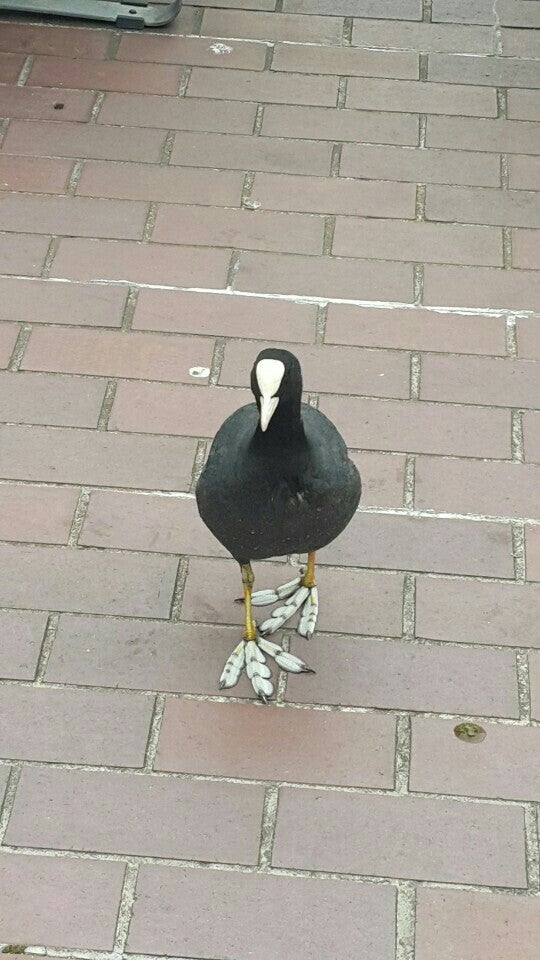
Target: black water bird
(278,481)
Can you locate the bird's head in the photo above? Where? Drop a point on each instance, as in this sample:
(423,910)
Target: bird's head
(276,381)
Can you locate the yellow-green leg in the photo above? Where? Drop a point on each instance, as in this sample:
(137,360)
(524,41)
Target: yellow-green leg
(248,579)
(308,579)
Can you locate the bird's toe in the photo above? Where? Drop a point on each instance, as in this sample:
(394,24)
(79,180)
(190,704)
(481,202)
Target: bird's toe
(233,668)
(263,598)
(287,661)
(308,617)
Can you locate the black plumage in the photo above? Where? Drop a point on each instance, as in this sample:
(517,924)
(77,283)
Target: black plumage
(278,480)
(290,489)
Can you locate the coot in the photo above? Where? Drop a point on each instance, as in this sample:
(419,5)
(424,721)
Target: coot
(278,481)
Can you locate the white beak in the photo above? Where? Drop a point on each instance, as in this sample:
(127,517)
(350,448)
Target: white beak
(268,408)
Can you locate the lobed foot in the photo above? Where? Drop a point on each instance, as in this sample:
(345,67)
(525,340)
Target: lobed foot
(297,596)
(250,655)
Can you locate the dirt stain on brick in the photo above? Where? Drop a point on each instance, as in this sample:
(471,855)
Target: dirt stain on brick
(470,732)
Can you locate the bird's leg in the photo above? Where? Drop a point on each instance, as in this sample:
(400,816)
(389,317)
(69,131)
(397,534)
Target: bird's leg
(310,610)
(249,653)
(300,593)
(248,579)
(308,577)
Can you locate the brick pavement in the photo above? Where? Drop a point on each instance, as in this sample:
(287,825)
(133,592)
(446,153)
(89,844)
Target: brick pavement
(359,179)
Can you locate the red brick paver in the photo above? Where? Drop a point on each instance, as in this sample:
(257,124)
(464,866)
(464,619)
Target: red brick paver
(104,75)
(49,399)
(358,181)
(22,633)
(306,917)
(29,513)
(102,459)
(46,174)
(451,922)
(37,301)
(171,657)
(73,726)
(471,611)
(510,761)
(74,902)
(26,103)
(407,676)
(141,356)
(8,337)
(93,817)
(77,140)
(188,742)
(11,65)
(403,837)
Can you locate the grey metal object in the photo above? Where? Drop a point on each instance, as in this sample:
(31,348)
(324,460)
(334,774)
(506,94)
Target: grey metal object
(122,13)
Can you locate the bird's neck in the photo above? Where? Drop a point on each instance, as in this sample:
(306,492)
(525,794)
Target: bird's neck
(284,428)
